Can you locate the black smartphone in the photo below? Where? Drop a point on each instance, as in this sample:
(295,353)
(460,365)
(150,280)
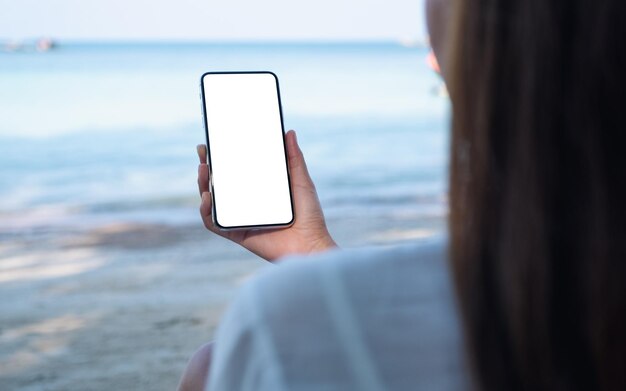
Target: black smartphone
(247,156)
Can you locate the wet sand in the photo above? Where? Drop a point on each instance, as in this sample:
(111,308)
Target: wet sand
(124,305)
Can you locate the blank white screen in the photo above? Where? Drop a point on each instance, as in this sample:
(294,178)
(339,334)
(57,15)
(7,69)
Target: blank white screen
(246,148)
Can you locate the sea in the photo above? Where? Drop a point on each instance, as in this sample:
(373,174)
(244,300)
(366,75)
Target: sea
(92,133)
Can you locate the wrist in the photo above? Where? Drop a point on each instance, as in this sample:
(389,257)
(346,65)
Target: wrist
(324,243)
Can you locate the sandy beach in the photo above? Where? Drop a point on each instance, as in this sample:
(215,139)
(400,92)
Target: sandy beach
(123,305)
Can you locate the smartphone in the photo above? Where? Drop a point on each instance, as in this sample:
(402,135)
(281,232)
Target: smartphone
(247,157)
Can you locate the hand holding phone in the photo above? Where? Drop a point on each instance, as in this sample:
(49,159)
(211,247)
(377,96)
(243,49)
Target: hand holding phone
(308,233)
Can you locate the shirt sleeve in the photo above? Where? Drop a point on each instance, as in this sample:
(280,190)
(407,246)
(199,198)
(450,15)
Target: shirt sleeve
(365,319)
(280,332)
(242,360)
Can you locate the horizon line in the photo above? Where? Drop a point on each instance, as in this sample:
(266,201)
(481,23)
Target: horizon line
(401,41)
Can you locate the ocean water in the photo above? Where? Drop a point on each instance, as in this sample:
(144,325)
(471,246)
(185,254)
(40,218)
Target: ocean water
(92,133)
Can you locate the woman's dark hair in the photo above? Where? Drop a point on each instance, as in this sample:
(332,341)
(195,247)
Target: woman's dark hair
(538,191)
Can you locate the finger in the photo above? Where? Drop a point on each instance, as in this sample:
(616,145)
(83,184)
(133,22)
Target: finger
(203,178)
(297,166)
(206,211)
(201,149)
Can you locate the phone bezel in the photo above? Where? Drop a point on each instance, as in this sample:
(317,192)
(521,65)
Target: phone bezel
(208,149)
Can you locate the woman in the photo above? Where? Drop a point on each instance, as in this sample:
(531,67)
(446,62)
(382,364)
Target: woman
(537,241)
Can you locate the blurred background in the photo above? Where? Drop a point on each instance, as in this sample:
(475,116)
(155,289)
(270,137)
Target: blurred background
(108,279)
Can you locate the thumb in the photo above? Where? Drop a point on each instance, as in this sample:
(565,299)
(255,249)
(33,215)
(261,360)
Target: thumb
(297,166)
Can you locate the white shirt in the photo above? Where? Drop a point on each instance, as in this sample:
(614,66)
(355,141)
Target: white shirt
(364,319)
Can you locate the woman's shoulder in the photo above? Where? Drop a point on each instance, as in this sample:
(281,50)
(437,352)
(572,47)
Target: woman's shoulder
(415,271)
(420,265)
(336,317)
(407,284)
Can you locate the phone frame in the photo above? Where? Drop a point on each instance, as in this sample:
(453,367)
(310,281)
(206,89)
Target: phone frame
(208,149)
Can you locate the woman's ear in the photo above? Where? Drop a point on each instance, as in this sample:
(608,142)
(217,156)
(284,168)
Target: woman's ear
(438,14)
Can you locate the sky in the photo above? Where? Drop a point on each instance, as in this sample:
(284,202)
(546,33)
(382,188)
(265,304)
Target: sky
(237,20)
